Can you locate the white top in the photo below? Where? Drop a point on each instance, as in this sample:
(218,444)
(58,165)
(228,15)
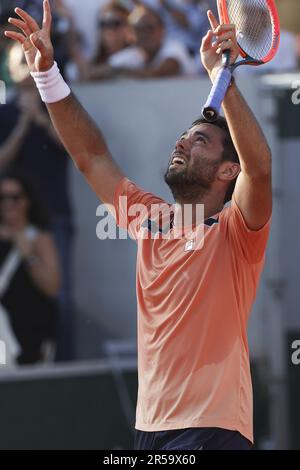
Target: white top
(130,58)
(134,58)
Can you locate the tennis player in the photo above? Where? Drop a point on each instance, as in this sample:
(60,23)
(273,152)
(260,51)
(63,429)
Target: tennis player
(193,304)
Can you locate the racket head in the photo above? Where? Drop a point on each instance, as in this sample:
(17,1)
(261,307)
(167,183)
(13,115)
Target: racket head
(258,27)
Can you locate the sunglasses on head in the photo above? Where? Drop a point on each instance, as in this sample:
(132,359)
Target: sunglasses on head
(111,23)
(13,197)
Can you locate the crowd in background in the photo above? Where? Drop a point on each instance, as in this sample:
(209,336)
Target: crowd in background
(133,38)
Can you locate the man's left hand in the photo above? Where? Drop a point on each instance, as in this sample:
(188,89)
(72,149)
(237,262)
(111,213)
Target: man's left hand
(211,52)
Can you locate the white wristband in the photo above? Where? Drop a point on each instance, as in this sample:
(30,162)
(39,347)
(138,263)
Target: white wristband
(51,85)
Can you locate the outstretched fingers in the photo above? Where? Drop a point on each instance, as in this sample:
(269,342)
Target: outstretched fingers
(16,36)
(31,23)
(214,23)
(21,25)
(47,18)
(217,27)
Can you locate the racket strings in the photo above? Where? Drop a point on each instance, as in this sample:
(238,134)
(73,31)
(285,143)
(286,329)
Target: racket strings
(254,26)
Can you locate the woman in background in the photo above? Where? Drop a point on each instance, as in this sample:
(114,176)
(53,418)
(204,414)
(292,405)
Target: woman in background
(32,285)
(114,35)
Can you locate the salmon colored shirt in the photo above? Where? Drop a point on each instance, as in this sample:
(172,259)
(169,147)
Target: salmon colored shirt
(193,309)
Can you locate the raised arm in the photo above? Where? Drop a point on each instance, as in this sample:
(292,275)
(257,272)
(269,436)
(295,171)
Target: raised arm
(86,145)
(253,192)
(78,132)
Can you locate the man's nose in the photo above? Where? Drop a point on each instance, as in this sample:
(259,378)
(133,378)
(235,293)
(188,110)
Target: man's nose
(181,144)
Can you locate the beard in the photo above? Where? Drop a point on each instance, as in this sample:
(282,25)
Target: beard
(190,185)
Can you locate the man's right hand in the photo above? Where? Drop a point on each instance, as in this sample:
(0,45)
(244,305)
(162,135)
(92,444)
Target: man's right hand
(36,41)
(77,131)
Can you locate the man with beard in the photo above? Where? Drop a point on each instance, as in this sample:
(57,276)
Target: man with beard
(193,304)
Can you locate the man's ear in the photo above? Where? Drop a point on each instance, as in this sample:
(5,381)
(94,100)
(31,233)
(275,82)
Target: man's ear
(228,171)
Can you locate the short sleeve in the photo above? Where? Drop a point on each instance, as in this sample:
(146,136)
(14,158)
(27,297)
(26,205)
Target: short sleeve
(132,205)
(246,243)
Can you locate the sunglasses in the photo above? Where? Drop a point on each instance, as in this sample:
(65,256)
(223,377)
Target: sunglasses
(12,197)
(112,24)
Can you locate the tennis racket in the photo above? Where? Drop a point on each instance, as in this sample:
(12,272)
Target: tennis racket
(258,35)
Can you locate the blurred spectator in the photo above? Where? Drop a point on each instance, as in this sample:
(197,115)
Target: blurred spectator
(32,278)
(28,140)
(154,55)
(85,15)
(286,58)
(186,20)
(113,36)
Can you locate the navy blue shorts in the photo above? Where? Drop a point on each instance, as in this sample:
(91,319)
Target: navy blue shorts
(191,439)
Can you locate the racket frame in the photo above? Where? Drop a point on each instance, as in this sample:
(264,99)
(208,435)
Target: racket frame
(247,59)
(210,110)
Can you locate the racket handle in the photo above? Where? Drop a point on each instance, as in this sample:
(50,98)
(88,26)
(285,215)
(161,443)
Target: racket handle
(220,86)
